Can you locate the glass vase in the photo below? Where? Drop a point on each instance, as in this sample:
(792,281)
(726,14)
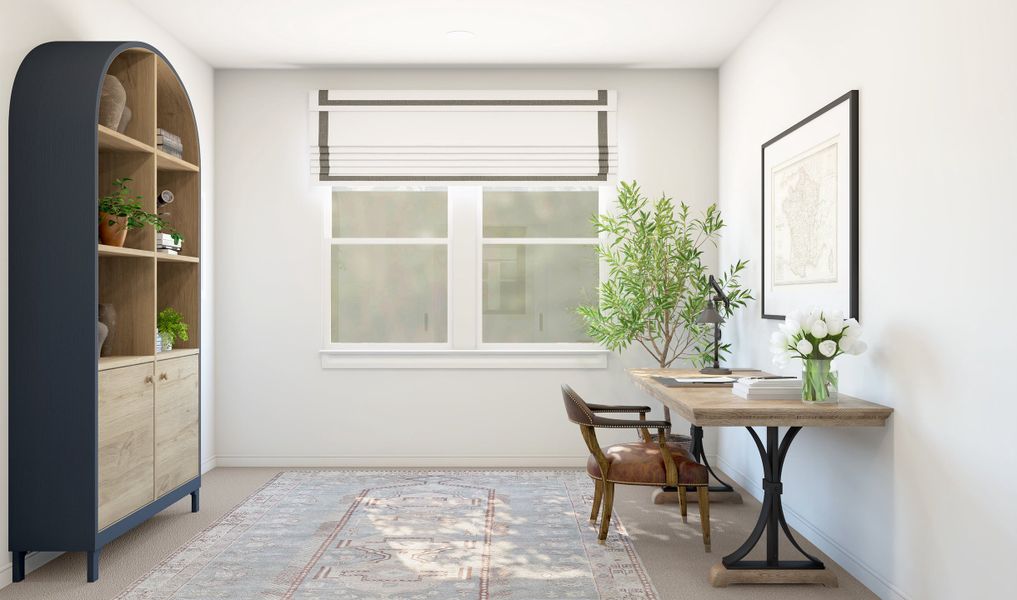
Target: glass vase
(819,381)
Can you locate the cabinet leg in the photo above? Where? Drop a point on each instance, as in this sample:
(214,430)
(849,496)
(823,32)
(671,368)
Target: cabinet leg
(19,565)
(93,565)
(195,501)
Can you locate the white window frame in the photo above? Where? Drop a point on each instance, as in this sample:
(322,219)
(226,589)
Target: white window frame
(464,347)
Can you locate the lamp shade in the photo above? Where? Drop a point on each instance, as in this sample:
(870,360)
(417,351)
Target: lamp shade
(710,314)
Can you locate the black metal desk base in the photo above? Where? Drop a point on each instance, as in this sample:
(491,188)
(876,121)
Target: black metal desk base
(771,516)
(699,454)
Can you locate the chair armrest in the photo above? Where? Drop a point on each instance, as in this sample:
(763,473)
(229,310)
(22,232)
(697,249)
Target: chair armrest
(604,422)
(618,409)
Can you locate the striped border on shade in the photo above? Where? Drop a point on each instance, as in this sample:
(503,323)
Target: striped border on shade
(463,136)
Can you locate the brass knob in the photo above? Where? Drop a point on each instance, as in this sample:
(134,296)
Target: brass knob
(148,379)
(163,377)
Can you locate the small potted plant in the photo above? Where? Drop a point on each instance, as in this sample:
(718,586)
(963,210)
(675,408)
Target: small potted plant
(121,211)
(816,337)
(171,327)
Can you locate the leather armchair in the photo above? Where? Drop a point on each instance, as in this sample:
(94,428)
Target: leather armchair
(647,462)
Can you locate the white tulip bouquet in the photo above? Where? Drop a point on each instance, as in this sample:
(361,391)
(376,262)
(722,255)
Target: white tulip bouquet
(816,337)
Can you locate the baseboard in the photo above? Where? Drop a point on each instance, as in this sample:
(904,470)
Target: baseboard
(33,561)
(208,464)
(851,563)
(434,461)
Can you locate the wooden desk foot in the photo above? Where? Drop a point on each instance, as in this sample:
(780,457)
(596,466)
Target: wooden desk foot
(660,496)
(721,576)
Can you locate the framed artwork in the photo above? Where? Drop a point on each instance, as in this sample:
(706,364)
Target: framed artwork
(810,213)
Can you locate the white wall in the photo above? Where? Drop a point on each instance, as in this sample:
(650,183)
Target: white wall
(924,508)
(24,25)
(275,405)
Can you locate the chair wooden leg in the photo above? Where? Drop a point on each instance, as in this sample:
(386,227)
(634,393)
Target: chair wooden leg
(605,519)
(598,495)
(683,503)
(704,514)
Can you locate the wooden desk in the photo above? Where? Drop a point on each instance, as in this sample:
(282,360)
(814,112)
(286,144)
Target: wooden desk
(717,406)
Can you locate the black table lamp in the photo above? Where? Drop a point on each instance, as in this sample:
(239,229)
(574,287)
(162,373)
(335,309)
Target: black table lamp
(710,314)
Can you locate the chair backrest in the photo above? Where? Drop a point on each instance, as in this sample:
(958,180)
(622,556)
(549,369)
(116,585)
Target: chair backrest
(575,407)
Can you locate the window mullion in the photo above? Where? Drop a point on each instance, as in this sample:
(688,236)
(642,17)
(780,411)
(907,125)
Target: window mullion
(464,266)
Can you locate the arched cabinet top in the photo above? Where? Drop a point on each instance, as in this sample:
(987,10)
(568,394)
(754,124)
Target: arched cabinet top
(59,86)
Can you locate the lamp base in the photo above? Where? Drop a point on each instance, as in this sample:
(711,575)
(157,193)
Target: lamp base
(715,371)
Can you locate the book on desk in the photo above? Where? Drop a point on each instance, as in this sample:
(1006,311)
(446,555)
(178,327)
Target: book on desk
(761,387)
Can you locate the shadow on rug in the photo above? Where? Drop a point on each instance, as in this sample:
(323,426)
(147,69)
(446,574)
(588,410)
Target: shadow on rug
(435,535)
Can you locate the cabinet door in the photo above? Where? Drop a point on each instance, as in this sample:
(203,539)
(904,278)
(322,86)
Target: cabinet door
(176,423)
(126,441)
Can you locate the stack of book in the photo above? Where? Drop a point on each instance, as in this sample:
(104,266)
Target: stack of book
(772,388)
(164,243)
(169,143)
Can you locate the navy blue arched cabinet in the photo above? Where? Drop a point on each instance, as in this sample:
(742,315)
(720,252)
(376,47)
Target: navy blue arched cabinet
(99,441)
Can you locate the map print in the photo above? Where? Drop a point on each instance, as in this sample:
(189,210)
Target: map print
(804,217)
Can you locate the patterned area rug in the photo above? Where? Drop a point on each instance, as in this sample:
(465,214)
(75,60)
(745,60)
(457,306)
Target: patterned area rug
(368,535)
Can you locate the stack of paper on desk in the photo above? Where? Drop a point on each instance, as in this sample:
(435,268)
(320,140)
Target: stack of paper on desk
(694,382)
(752,388)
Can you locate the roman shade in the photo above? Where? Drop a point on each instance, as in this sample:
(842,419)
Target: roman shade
(463,136)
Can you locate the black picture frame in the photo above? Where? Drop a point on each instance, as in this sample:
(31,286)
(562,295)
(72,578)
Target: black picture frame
(852,98)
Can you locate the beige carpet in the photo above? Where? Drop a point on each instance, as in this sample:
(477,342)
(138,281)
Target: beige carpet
(672,551)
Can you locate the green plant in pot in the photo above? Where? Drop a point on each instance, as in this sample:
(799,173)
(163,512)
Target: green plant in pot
(171,328)
(121,211)
(657,284)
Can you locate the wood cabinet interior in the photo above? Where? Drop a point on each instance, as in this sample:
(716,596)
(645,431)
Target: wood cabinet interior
(174,112)
(140,169)
(178,288)
(136,285)
(136,70)
(128,283)
(184,212)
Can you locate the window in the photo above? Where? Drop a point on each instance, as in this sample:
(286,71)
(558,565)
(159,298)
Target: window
(389,267)
(466,272)
(539,264)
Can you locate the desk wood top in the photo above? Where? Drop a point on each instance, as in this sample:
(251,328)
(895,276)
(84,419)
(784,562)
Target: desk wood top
(718,406)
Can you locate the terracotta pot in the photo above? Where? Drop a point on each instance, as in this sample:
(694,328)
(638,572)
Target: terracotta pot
(112,235)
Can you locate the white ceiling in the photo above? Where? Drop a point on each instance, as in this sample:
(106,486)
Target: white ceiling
(321,33)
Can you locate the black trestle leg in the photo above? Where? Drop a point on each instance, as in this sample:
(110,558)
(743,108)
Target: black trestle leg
(195,501)
(771,515)
(699,454)
(93,565)
(18,569)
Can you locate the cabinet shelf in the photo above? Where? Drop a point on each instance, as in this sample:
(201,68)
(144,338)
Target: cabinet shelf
(176,258)
(113,141)
(176,353)
(105,250)
(168,162)
(114,362)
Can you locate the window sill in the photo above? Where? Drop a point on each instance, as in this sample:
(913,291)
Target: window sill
(464,359)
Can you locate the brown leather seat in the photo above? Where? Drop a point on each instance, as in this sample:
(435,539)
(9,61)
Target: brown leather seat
(640,463)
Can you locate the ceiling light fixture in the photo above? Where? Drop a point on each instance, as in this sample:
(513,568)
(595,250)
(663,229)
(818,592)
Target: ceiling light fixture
(460,34)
